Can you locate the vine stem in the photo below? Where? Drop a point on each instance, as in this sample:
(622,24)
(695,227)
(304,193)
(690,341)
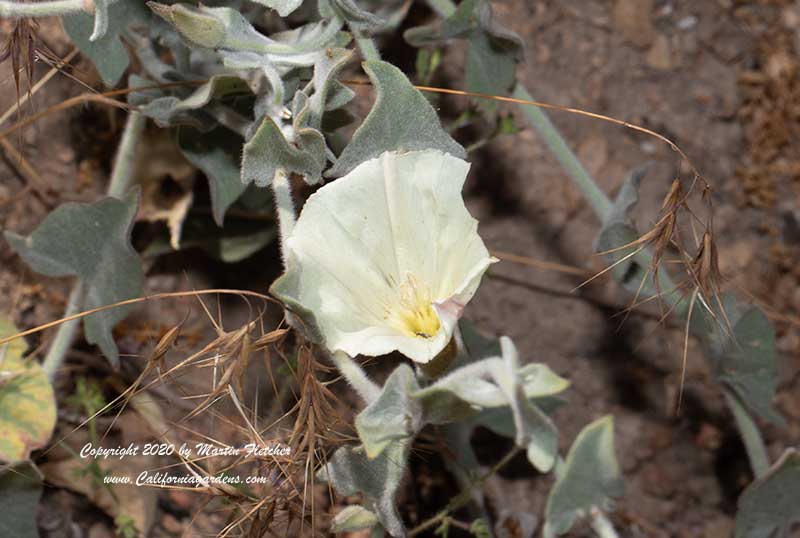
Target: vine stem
(367,47)
(64,335)
(751,437)
(126,154)
(42,9)
(602,526)
(356,377)
(284,205)
(117,186)
(445,8)
(601,205)
(464,497)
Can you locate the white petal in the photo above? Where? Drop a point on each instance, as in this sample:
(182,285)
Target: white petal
(397,222)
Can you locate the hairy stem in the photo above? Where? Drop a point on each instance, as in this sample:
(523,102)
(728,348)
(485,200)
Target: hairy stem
(367,47)
(117,186)
(569,161)
(602,526)
(751,437)
(42,9)
(445,8)
(65,334)
(356,377)
(284,203)
(126,154)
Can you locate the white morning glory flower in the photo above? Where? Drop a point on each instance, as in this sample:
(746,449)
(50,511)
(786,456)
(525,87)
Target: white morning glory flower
(386,257)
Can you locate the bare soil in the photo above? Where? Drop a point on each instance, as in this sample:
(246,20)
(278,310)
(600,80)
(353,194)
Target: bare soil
(717,77)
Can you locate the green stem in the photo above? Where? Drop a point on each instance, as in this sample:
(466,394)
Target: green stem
(356,377)
(598,200)
(463,498)
(282,191)
(126,155)
(444,8)
(555,142)
(602,205)
(368,48)
(64,335)
(41,9)
(751,437)
(602,526)
(120,181)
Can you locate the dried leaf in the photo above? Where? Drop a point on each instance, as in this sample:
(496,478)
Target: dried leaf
(27,401)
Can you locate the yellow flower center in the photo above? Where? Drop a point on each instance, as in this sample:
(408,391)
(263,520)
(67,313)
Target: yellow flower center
(416,315)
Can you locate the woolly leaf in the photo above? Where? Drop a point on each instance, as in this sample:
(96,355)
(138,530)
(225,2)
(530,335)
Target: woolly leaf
(493,50)
(353,518)
(401,119)
(212,27)
(108,54)
(236,241)
(471,388)
(329,94)
(589,478)
(350,471)
(27,402)
(20,490)
(92,242)
(170,110)
(268,151)
(618,229)
(216,153)
(499,383)
(748,363)
(394,415)
(356,17)
(534,429)
(283,7)
(769,506)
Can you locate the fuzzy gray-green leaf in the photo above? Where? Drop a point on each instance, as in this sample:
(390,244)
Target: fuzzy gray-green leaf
(349,11)
(92,242)
(171,110)
(268,151)
(350,471)
(590,478)
(216,153)
(401,119)
(748,363)
(493,50)
(769,506)
(20,490)
(393,415)
(108,54)
(283,7)
(353,518)
(618,230)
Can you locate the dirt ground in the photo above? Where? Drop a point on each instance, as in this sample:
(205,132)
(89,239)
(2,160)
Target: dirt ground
(718,77)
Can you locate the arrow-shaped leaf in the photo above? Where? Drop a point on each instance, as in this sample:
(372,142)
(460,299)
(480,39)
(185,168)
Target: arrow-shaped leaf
(92,242)
(107,52)
(589,478)
(769,506)
(401,119)
(350,471)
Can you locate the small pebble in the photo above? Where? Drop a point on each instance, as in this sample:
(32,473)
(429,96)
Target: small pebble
(687,23)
